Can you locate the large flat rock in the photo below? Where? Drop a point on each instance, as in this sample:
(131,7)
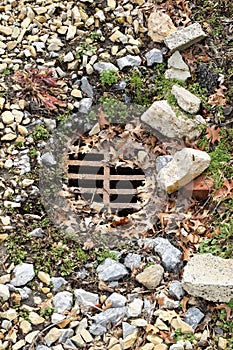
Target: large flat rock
(209,277)
(185,166)
(162,118)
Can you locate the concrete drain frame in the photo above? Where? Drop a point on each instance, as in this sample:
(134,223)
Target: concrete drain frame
(101,187)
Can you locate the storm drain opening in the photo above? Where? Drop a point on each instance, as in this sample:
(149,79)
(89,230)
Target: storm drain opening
(93,178)
(107,183)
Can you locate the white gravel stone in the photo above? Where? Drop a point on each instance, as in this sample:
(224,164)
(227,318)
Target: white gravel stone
(69,57)
(7,117)
(19,344)
(52,336)
(71,32)
(86,298)
(154,56)
(117,300)
(4,292)
(134,309)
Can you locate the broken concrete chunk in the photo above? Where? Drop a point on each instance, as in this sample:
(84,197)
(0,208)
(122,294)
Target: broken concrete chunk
(186,100)
(186,165)
(209,277)
(185,37)
(160,26)
(161,117)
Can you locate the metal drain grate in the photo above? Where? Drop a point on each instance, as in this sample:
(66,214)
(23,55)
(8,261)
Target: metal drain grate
(92,177)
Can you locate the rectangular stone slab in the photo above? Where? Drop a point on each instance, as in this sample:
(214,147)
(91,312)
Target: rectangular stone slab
(185,37)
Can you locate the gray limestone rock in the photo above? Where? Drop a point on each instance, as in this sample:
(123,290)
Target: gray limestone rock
(24,292)
(176,290)
(127,329)
(128,61)
(171,256)
(97,329)
(101,66)
(186,100)
(70,344)
(161,117)
(209,277)
(48,159)
(66,334)
(86,87)
(193,317)
(22,274)
(154,56)
(185,37)
(132,260)
(85,105)
(58,282)
(109,316)
(42,347)
(111,270)
(161,161)
(116,299)
(151,276)
(37,232)
(86,298)
(63,301)
(185,166)
(4,292)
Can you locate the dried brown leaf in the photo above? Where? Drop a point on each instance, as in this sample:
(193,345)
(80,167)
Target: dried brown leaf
(213,133)
(102,119)
(226,191)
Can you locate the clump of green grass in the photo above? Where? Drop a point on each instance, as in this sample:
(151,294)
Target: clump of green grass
(221,156)
(40,133)
(114,109)
(221,243)
(109,77)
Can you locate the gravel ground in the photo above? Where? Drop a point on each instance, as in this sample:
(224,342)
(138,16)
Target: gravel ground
(52,58)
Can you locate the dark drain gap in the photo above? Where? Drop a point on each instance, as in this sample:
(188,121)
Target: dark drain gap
(92,157)
(125,171)
(77,169)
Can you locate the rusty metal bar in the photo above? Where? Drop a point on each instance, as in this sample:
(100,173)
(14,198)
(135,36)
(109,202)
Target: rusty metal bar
(102,190)
(102,177)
